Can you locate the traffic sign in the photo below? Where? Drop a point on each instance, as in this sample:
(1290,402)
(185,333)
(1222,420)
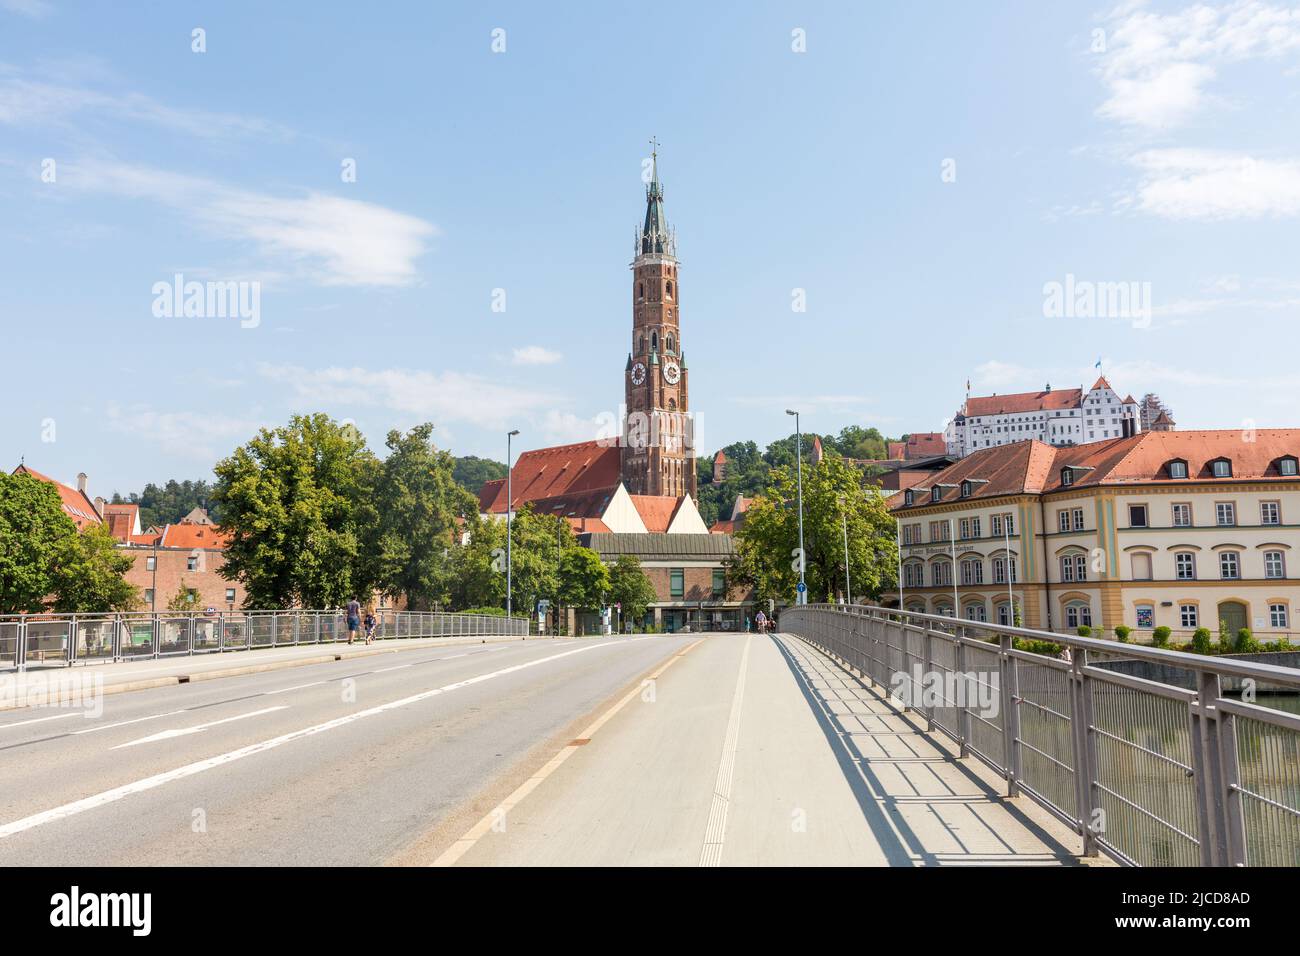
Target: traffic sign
(801,587)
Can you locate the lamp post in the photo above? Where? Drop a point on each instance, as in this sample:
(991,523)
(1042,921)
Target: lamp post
(509,513)
(802,594)
(844,521)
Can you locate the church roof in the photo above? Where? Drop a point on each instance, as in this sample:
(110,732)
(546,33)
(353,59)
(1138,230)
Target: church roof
(554,472)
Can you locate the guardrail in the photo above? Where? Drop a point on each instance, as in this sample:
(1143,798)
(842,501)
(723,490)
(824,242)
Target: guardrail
(67,639)
(1150,773)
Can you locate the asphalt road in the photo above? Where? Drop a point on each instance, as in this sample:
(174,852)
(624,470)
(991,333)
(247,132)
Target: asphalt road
(370,761)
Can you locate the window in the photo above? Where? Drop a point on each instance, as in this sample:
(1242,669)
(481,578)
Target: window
(1067,567)
(670,288)
(936,493)
(654,341)
(908,498)
(972,572)
(672,344)
(1187,615)
(1225,513)
(1274,565)
(965,528)
(965,489)
(1185,566)
(719,582)
(1178,469)
(1222,468)
(1063,520)
(974,527)
(1277,615)
(1229,565)
(941,573)
(1137,516)
(996,523)
(1270,512)
(975,612)
(677,582)
(150,563)
(1141,567)
(640,290)
(1146,616)
(1067,477)
(191,563)
(1001,568)
(230,595)
(1004,615)
(1182,515)
(1288,466)
(1077,514)
(1077,614)
(148,595)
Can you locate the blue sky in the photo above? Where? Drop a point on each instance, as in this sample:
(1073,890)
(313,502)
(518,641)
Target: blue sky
(1147,142)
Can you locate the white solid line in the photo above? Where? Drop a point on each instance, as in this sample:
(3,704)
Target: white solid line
(123,723)
(40,720)
(399,667)
(197,728)
(189,770)
(285,690)
(716,829)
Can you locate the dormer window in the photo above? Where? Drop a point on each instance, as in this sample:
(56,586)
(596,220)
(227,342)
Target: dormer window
(1221,467)
(908,497)
(1067,477)
(1177,468)
(936,493)
(965,489)
(1288,466)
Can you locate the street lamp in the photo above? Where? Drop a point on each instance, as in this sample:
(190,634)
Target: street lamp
(509,513)
(802,594)
(844,521)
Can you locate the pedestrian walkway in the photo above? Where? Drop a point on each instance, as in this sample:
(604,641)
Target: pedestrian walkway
(761,751)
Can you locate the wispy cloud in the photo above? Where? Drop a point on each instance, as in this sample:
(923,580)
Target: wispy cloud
(1209,184)
(433,396)
(198,436)
(325,238)
(534,355)
(1158,68)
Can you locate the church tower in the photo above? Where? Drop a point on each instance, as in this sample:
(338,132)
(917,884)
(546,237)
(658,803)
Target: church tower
(658,452)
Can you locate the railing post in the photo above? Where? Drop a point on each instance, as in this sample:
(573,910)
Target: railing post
(1009,680)
(20,647)
(927,648)
(156,636)
(72,640)
(959,681)
(221,631)
(1208,769)
(1083,746)
(1230,767)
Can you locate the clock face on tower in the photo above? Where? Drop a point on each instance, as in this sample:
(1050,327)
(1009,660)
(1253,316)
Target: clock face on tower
(672,373)
(638,373)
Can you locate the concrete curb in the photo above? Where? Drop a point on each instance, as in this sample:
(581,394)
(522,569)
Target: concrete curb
(62,695)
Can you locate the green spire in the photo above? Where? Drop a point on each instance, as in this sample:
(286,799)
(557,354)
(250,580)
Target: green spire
(655,237)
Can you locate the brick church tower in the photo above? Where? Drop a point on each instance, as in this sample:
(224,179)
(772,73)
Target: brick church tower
(658,451)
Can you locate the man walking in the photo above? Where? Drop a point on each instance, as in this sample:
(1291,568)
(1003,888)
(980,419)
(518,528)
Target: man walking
(354,619)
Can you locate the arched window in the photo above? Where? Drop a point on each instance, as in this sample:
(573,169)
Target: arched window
(640,344)
(672,343)
(654,341)
(670,288)
(640,290)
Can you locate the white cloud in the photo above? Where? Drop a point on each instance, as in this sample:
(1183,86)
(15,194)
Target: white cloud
(1157,68)
(432,396)
(36,9)
(1208,184)
(535,355)
(332,240)
(202,437)
(996,374)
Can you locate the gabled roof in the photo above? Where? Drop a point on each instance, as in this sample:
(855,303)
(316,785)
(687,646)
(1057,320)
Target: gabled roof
(123,520)
(187,535)
(580,504)
(1100,383)
(76,505)
(656,511)
(551,472)
(1023,402)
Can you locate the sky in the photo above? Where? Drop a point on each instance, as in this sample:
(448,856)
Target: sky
(436,203)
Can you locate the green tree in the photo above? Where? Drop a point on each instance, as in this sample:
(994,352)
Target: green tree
(87,575)
(630,587)
(410,521)
(479,567)
(33,528)
(472,472)
(296,502)
(169,503)
(766,556)
(185,599)
(584,579)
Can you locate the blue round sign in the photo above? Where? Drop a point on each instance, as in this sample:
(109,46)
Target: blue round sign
(801,587)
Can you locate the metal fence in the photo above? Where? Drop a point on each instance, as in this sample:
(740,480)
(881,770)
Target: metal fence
(65,639)
(1152,774)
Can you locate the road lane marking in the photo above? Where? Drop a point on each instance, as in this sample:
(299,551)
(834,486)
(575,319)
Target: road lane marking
(453,853)
(716,830)
(41,720)
(171,732)
(400,667)
(188,770)
(123,723)
(285,690)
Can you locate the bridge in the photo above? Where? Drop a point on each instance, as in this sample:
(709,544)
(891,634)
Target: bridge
(854,736)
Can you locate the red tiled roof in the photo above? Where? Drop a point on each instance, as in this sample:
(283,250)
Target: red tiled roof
(76,505)
(580,525)
(580,504)
(723,527)
(193,536)
(656,511)
(1022,402)
(122,519)
(923,445)
(1100,383)
(551,472)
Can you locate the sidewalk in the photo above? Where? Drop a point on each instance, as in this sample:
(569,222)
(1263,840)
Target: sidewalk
(63,684)
(761,751)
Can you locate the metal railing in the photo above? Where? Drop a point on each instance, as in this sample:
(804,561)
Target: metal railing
(1150,773)
(64,639)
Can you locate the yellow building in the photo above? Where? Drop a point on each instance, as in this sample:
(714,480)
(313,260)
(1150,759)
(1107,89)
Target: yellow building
(1183,529)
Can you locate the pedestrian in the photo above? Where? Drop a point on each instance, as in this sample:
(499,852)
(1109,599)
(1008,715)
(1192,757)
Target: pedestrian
(746,623)
(354,619)
(370,622)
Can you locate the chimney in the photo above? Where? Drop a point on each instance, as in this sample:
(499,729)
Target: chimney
(81,482)
(99,505)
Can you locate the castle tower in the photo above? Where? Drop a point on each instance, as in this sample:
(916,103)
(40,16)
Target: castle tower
(658,452)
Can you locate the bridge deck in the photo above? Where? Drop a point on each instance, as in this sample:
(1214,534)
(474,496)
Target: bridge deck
(763,751)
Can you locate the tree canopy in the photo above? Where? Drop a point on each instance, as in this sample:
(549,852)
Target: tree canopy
(630,587)
(169,503)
